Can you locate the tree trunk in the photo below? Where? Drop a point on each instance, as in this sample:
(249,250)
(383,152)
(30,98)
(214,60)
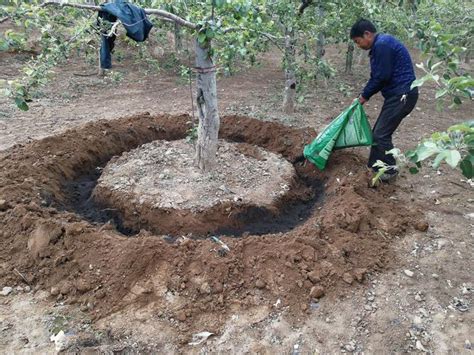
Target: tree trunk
(362,57)
(178,38)
(290,73)
(320,40)
(208,129)
(467,56)
(349,57)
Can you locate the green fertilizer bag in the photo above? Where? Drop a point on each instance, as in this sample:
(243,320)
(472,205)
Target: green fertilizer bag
(350,129)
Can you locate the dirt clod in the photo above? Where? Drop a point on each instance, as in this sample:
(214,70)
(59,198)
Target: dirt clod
(181,316)
(348,278)
(54,291)
(317,292)
(260,284)
(314,276)
(83,285)
(44,234)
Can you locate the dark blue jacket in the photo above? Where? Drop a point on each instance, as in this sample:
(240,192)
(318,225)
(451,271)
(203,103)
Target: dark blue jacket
(391,68)
(134,20)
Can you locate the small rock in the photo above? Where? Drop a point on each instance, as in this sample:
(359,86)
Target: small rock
(359,274)
(4,205)
(6,291)
(417,320)
(409,273)
(260,284)
(418,297)
(83,286)
(54,291)
(299,283)
(314,277)
(423,312)
(181,316)
(60,341)
(419,346)
(422,226)
(317,292)
(435,276)
(467,344)
(65,288)
(368,307)
(350,347)
(348,278)
(205,288)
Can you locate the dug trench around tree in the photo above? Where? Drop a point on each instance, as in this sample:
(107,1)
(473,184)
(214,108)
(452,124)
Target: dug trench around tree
(89,264)
(156,188)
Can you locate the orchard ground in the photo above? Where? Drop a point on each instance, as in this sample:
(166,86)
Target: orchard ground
(360,274)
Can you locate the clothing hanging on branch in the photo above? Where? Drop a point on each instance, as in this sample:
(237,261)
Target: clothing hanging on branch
(132,17)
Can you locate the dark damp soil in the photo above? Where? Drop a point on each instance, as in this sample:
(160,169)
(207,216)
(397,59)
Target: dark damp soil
(259,221)
(252,220)
(80,201)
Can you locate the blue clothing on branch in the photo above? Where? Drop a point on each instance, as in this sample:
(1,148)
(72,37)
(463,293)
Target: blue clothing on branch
(391,68)
(132,17)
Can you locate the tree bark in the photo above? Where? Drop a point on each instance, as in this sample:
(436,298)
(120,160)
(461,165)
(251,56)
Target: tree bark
(349,57)
(320,40)
(363,57)
(290,73)
(208,129)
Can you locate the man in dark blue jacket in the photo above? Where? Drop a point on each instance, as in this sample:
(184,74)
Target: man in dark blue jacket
(392,73)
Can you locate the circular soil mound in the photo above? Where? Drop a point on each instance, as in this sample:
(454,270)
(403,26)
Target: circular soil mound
(187,282)
(158,186)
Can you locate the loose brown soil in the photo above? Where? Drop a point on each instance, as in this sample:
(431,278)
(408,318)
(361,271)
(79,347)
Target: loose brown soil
(186,280)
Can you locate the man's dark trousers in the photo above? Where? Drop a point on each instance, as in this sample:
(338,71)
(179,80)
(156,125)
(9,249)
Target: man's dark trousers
(394,110)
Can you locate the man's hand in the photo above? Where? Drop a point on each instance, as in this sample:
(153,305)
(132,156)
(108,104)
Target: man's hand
(362,100)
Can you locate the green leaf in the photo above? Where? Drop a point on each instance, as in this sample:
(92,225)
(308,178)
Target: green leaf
(4,46)
(418,82)
(457,100)
(436,65)
(441,93)
(466,167)
(453,157)
(21,104)
(425,150)
(202,38)
(439,158)
(413,170)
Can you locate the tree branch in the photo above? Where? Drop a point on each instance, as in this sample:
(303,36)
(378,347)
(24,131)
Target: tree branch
(172,17)
(4,19)
(161,13)
(269,36)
